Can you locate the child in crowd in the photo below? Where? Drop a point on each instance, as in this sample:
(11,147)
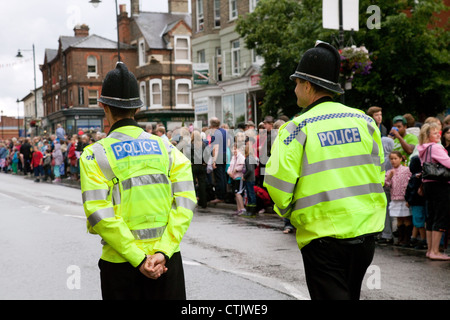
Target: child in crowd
(36,163)
(249,177)
(47,164)
(15,160)
(416,202)
(58,157)
(397,179)
(235,171)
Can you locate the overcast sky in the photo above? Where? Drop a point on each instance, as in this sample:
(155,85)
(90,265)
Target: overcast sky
(41,23)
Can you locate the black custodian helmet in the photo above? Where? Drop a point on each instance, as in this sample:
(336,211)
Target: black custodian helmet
(120,89)
(320,65)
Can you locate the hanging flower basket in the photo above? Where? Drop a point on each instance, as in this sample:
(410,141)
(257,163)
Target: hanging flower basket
(354,60)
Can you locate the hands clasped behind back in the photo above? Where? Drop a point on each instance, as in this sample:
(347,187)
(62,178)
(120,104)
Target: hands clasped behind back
(154,266)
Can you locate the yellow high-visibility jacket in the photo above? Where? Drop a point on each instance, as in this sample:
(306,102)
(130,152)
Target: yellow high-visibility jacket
(138,194)
(326,173)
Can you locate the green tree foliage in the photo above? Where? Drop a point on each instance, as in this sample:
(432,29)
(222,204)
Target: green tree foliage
(409,53)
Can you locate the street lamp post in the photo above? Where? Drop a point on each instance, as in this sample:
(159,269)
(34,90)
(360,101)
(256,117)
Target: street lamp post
(19,55)
(18,123)
(95,3)
(3,121)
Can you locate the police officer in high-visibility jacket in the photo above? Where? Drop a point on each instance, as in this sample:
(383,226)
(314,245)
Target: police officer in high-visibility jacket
(326,173)
(138,195)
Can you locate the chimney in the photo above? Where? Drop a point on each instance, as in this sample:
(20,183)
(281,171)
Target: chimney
(81,31)
(178,6)
(134,7)
(124,25)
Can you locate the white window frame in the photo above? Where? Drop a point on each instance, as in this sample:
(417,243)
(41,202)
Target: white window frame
(91,96)
(252,5)
(200,16)
(143,93)
(216,13)
(235,55)
(177,48)
(189,83)
(152,103)
(141,52)
(95,64)
(233,13)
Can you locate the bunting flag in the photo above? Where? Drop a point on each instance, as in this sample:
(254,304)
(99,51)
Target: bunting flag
(15,63)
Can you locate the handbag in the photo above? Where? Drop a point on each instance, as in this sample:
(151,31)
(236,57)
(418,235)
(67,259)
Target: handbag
(434,171)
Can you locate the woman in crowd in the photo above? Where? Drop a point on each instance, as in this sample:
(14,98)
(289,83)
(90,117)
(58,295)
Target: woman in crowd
(445,139)
(437,193)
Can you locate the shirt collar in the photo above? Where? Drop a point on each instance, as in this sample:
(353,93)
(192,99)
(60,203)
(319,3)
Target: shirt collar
(123,123)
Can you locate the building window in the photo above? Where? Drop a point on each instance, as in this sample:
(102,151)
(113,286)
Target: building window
(217,13)
(234,109)
(92,66)
(182,49)
(80,96)
(141,52)
(93,95)
(201,56)
(155,93)
(233,9)
(253,4)
(183,93)
(235,58)
(142,93)
(218,64)
(200,16)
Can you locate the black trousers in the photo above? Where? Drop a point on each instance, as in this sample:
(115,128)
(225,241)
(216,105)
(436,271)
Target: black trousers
(335,268)
(121,281)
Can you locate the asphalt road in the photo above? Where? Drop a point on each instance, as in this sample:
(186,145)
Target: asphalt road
(46,253)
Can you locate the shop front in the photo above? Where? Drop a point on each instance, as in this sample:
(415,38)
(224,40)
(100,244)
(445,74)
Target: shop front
(75,120)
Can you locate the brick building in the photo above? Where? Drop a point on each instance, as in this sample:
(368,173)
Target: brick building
(10,127)
(231,88)
(163,61)
(72,80)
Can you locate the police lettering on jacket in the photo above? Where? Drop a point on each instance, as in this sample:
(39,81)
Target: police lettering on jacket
(137,147)
(340,136)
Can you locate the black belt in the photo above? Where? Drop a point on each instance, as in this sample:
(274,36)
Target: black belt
(349,241)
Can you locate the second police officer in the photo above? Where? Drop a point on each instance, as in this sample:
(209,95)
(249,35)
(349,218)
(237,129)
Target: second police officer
(326,175)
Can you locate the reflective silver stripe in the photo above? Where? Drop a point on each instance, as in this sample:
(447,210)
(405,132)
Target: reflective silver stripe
(116,194)
(185,203)
(290,127)
(92,195)
(144,135)
(144,180)
(285,210)
(120,136)
(100,214)
(301,137)
(145,234)
(339,163)
(102,160)
(183,186)
(337,194)
(279,184)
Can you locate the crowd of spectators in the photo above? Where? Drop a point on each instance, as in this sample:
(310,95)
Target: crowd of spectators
(418,212)
(228,166)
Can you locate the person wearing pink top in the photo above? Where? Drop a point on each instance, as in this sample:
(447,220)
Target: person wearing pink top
(437,193)
(235,171)
(397,179)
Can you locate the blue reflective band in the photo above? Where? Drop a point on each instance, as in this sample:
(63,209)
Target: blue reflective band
(337,137)
(134,148)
